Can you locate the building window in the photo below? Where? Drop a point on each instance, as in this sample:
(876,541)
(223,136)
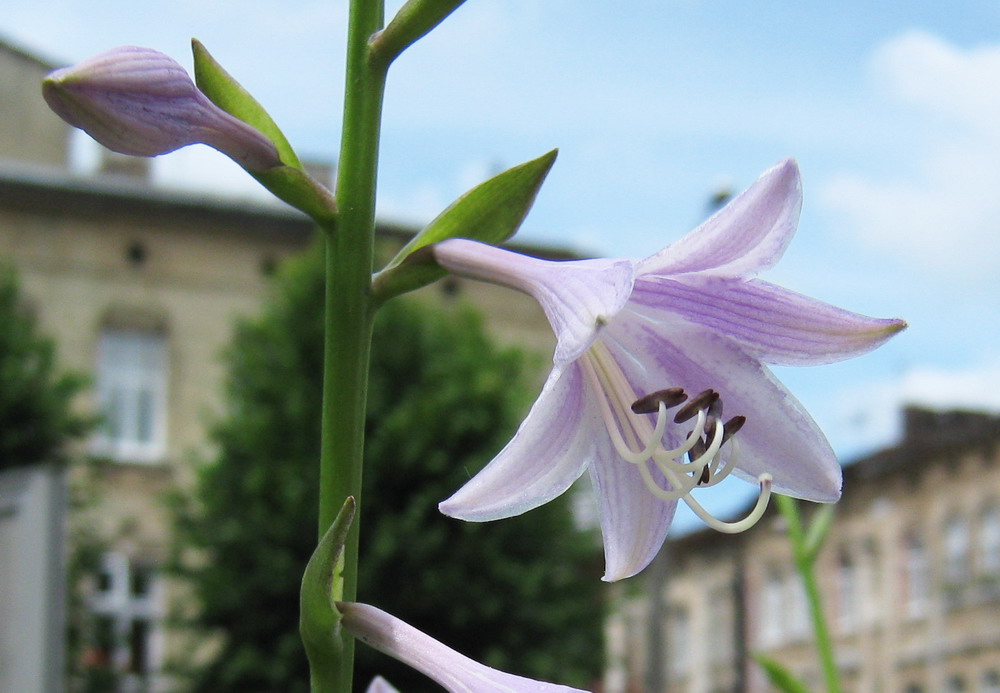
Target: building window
(124,626)
(991,682)
(956,550)
(955,684)
(989,541)
(678,643)
(721,635)
(132,392)
(772,616)
(916,571)
(797,607)
(847,592)
(871,584)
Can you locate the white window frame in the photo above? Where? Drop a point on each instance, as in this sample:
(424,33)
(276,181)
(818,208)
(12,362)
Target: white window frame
(679,642)
(957,547)
(772,619)
(132,374)
(848,601)
(989,541)
(916,569)
(123,609)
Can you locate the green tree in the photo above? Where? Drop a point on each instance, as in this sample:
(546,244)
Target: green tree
(520,594)
(36,417)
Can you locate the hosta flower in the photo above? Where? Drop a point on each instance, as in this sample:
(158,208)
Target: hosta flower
(456,672)
(141,102)
(648,352)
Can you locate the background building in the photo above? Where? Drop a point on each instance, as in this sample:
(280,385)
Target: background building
(909,574)
(140,287)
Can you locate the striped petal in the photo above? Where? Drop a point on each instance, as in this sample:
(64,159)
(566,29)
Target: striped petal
(578,297)
(550,451)
(772,323)
(455,672)
(779,436)
(745,237)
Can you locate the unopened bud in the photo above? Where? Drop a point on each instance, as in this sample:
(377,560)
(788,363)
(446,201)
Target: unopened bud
(141,102)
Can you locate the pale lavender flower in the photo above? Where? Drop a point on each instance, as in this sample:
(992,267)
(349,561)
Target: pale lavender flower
(456,672)
(141,102)
(641,336)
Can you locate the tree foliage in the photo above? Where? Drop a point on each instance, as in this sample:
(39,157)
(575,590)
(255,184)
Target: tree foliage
(36,417)
(519,594)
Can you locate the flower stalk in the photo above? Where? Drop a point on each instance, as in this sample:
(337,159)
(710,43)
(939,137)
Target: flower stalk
(804,550)
(349,308)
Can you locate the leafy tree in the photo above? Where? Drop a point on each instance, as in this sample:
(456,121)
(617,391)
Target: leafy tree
(36,418)
(520,594)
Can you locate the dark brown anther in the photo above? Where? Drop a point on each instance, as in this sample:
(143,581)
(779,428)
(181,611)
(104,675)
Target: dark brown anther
(732,426)
(715,409)
(650,404)
(697,450)
(703,400)
(706,475)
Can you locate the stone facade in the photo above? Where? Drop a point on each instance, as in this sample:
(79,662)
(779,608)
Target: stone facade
(909,576)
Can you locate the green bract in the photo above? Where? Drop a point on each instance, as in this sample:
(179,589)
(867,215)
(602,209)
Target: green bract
(491,213)
(321,588)
(291,182)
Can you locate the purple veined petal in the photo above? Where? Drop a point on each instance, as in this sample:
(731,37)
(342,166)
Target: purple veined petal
(770,322)
(634,523)
(779,437)
(578,297)
(456,672)
(141,102)
(550,451)
(380,685)
(743,238)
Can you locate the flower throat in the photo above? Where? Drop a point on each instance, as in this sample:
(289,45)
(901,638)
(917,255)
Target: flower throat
(698,461)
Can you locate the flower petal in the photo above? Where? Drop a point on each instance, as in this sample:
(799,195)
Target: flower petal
(634,522)
(578,297)
(746,236)
(456,672)
(140,102)
(779,436)
(772,323)
(548,453)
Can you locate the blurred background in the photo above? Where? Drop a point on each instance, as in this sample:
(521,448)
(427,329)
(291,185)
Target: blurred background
(137,271)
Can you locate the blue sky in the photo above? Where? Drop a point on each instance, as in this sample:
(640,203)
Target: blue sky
(892,110)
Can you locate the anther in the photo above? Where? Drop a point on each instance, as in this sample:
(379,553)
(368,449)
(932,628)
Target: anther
(706,475)
(732,426)
(650,404)
(703,400)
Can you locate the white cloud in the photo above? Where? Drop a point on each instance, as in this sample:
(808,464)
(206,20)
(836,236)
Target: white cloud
(869,416)
(944,214)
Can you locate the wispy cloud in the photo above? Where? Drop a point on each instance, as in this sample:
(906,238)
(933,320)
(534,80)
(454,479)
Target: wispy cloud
(942,214)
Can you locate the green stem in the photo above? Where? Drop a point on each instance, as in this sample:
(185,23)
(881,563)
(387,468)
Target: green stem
(805,565)
(348,317)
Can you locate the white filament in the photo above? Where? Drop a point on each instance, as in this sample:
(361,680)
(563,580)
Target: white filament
(640,443)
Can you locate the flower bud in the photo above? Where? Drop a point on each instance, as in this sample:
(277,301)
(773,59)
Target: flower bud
(141,102)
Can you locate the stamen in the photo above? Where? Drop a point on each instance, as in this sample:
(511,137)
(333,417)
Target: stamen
(649,404)
(639,441)
(732,426)
(703,400)
(742,525)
